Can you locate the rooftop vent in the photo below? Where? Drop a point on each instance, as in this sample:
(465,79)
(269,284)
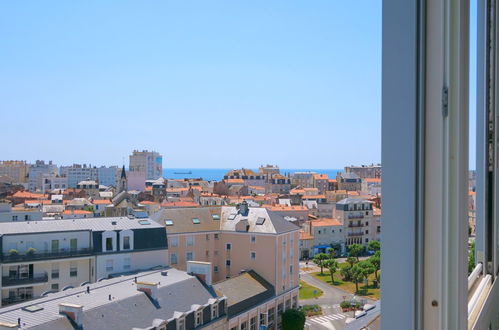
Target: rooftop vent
(164,273)
(149,288)
(114,223)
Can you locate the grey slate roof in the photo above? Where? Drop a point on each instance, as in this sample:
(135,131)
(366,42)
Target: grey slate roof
(94,224)
(244,291)
(353,201)
(127,309)
(274,222)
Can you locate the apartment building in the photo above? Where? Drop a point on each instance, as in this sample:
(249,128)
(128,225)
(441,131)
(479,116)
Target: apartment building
(365,171)
(37,169)
(321,182)
(51,181)
(303,179)
(248,177)
(356,215)
(79,172)
(17,170)
(348,181)
(9,213)
(91,187)
(39,257)
(277,183)
(306,245)
(371,186)
(144,165)
(327,233)
(234,240)
(108,175)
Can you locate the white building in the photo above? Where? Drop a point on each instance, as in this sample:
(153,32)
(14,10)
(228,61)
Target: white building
(38,169)
(42,256)
(357,218)
(144,165)
(77,172)
(108,176)
(9,214)
(51,181)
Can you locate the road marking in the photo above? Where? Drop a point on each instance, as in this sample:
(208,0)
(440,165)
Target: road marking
(325,318)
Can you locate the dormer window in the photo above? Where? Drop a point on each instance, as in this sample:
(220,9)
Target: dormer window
(169,222)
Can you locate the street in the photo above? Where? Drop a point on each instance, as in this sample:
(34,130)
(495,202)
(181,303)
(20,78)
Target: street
(333,318)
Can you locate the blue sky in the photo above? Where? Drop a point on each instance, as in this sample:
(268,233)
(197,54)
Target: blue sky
(205,83)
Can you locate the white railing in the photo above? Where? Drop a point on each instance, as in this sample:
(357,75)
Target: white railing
(477,271)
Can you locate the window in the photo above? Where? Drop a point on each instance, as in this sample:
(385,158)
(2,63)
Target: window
(291,269)
(228,246)
(227,262)
(109,265)
(271,316)
(253,255)
(73,269)
(73,244)
(216,236)
(14,218)
(55,271)
(207,237)
(55,286)
(189,256)
(244,326)
(189,240)
(173,241)
(199,318)
(253,238)
(253,323)
(288,304)
(55,246)
(168,222)
(109,243)
(26,217)
(173,258)
(215,269)
(207,253)
(215,216)
(214,311)
(295,301)
(181,323)
(262,319)
(126,263)
(126,243)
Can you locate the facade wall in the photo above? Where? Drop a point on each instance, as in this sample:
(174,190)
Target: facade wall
(42,242)
(28,215)
(17,170)
(278,304)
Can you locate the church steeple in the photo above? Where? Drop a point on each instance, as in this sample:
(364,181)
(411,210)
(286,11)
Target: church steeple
(123,181)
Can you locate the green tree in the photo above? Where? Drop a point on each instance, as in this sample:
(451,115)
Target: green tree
(375,260)
(351,261)
(355,250)
(293,319)
(367,267)
(319,260)
(346,272)
(332,265)
(471,258)
(331,252)
(374,246)
(358,276)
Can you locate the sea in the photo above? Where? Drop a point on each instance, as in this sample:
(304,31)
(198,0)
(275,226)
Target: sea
(217,174)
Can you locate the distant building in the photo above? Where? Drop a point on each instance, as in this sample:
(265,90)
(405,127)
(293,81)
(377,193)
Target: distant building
(327,233)
(349,181)
(144,165)
(303,179)
(17,170)
(108,176)
(77,173)
(371,186)
(51,181)
(90,186)
(321,182)
(38,169)
(365,171)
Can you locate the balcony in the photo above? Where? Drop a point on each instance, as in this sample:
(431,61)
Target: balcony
(355,225)
(37,278)
(358,233)
(356,216)
(62,253)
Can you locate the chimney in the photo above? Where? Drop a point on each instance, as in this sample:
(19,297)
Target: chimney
(244,208)
(73,312)
(8,326)
(200,269)
(149,288)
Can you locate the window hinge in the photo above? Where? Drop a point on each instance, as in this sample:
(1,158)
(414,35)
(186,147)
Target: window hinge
(445,101)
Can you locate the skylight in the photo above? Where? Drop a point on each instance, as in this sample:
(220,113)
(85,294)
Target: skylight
(195,221)
(260,221)
(144,222)
(169,222)
(215,217)
(32,308)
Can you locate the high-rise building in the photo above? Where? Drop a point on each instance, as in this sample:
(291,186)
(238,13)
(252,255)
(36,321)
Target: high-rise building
(78,172)
(17,170)
(144,165)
